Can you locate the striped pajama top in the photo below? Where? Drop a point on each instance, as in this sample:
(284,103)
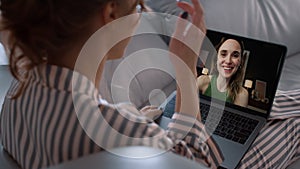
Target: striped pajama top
(60,117)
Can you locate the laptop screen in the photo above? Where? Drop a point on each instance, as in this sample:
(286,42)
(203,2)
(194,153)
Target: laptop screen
(245,72)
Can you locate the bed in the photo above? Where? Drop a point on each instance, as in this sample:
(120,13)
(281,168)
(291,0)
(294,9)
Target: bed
(270,20)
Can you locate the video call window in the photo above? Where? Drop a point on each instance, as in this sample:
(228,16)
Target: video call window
(253,69)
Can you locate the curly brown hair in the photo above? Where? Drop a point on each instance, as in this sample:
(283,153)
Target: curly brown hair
(42,28)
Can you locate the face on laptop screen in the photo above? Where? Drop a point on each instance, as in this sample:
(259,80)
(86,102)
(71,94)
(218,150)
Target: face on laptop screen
(240,71)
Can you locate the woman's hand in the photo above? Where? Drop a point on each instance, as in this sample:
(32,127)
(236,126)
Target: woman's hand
(187,39)
(152,112)
(185,47)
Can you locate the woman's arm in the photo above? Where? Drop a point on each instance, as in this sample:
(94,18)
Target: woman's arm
(186,130)
(185,46)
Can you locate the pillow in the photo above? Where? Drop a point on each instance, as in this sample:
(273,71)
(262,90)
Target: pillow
(274,21)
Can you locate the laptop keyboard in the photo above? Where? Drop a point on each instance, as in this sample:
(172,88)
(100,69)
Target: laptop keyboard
(228,125)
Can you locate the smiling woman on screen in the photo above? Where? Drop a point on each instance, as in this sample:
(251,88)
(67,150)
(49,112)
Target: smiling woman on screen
(225,81)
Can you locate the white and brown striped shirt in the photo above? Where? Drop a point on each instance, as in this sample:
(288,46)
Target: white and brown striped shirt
(60,117)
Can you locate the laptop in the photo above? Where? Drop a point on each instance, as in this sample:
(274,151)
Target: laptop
(234,127)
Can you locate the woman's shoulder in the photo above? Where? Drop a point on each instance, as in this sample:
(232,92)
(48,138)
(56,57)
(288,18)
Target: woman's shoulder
(204,78)
(243,92)
(242,97)
(203,81)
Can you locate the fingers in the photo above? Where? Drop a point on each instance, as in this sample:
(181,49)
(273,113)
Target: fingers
(195,9)
(149,107)
(196,12)
(198,7)
(186,7)
(151,112)
(198,18)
